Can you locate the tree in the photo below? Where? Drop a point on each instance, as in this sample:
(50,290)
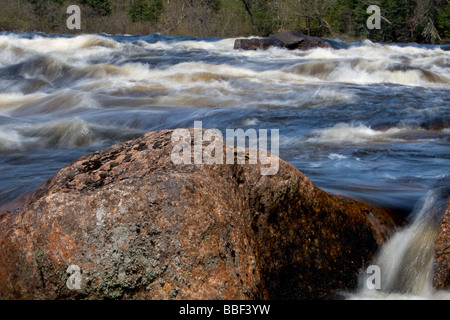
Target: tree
(102,7)
(262,15)
(423,21)
(399,13)
(146,10)
(319,10)
(425,15)
(214,5)
(443,20)
(349,17)
(47,13)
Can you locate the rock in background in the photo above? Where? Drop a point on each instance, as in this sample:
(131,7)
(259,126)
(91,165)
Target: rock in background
(141,227)
(287,39)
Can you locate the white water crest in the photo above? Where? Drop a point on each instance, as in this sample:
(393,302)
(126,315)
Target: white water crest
(367,63)
(344,133)
(406,260)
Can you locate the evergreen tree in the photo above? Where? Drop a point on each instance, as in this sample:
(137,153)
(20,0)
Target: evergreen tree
(398,13)
(102,7)
(443,20)
(146,10)
(349,17)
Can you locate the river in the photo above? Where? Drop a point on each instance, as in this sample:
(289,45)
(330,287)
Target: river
(364,119)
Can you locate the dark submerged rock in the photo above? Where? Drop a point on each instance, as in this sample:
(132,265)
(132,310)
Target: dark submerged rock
(294,40)
(257,43)
(287,39)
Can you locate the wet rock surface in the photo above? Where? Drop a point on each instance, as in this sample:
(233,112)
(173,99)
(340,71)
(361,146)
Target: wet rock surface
(441,277)
(257,43)
(141,227)
(287,39)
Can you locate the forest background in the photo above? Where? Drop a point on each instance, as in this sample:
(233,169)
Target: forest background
(422,21)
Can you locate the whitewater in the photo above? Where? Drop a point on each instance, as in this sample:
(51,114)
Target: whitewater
(367,120)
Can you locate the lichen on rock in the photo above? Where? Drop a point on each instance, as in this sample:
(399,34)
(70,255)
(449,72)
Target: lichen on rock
(141,227)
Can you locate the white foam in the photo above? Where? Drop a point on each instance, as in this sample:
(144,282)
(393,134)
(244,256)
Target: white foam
(68,133)
(12,140)
(367,64)
(329,96)
(63,44)
(64,101)
(349,133)
(336,156)
(406,260)
(250,122)
(10,101)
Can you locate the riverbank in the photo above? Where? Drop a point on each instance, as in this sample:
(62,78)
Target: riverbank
(417,21)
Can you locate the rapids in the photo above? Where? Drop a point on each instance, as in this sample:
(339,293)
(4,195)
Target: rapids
(369,120)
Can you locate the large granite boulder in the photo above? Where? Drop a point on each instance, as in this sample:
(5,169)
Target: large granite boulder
(127,222)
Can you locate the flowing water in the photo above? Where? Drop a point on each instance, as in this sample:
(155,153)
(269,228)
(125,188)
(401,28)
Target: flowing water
(405,262)
(367,120)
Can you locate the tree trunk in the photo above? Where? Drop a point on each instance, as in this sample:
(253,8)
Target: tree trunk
(249,10)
